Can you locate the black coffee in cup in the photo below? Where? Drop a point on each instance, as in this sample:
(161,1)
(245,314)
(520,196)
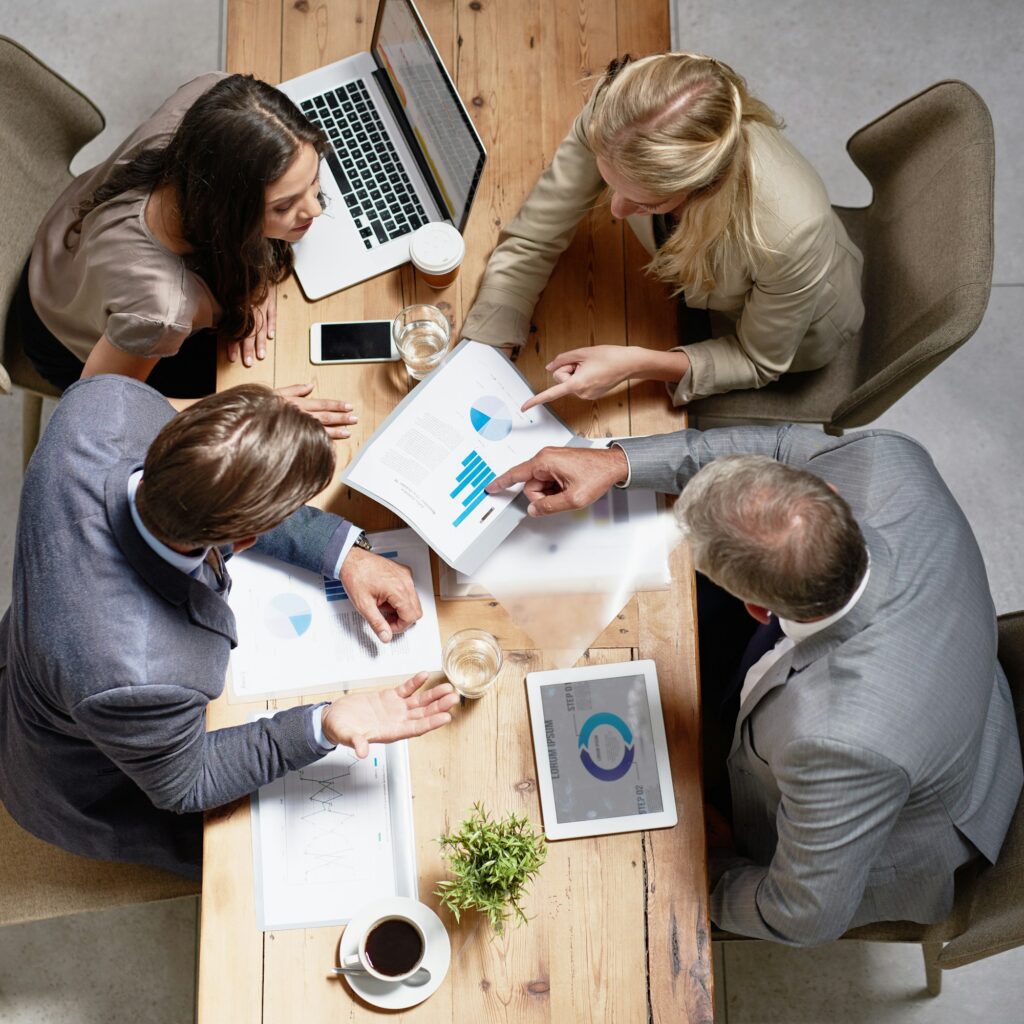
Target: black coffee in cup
(394,947)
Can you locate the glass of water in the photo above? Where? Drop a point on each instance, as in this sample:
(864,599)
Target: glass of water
(472,659)
(421,334)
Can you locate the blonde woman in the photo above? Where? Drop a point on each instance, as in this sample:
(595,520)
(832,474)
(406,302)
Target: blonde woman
(737,222)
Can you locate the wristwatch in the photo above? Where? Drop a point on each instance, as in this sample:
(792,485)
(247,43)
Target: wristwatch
(362,541)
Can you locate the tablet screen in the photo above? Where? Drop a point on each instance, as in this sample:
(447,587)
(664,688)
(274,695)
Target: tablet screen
(601,753)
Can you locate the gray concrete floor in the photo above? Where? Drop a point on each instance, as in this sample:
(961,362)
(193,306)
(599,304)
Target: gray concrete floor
(134,965)
(827,68)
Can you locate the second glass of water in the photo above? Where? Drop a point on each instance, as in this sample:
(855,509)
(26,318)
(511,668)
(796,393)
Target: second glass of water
(472,659)
(421,334)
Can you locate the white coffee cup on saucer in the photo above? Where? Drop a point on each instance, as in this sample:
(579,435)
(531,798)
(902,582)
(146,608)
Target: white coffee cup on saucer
(428,978)
(391,948)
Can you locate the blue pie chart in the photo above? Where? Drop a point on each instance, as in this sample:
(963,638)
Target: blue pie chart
(490,418)
(288,616)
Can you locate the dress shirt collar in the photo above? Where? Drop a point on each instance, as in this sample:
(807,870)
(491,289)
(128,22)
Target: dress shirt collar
(798,631)
(186,563)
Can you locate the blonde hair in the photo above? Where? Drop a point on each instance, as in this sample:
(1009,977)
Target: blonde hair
(677,123)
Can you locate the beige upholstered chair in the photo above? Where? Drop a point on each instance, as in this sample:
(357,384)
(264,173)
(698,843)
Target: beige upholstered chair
(988,912)
(44,122)
(38,880)
(927,244)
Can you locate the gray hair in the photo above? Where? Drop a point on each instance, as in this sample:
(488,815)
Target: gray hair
(773,535)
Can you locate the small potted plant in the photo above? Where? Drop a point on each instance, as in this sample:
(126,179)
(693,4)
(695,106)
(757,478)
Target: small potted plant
(493,861)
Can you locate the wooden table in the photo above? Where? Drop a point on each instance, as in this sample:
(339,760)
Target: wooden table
(619,930)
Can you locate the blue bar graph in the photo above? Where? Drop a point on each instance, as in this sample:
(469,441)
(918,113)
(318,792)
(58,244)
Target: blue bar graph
(473,478)
(333,589)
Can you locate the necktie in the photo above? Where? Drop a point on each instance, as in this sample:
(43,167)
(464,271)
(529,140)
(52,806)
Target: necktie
(765,637)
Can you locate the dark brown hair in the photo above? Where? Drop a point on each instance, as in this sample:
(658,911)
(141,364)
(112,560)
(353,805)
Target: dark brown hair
(235,140)
(231,466)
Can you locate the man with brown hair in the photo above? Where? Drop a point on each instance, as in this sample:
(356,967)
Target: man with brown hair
(871,739)
(118,633)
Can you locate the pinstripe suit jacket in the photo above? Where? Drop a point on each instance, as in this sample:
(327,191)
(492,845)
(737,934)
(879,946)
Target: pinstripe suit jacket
(878,755)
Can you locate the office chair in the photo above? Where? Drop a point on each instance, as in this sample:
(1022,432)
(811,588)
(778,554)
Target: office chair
(40,881)
(988,908)
(927,240)
(44,122)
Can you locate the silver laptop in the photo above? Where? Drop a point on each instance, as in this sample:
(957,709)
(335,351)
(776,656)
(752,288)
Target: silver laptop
(402,152)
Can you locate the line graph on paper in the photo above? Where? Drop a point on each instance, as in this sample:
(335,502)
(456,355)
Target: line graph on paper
(337,822)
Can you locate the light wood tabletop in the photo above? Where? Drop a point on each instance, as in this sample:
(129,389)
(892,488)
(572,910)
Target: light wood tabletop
(619,926)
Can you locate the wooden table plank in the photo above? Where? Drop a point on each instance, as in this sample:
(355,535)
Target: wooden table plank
(522,69)
(679,947)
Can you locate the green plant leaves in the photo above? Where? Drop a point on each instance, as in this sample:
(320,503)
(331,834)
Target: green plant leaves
(493,861)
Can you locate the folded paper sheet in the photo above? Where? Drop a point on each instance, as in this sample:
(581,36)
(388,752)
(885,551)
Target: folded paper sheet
(564,578)
(333,836)
(298,633)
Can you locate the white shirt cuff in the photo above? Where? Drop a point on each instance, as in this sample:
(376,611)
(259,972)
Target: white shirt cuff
(629,468)
(318,728)
(350,540)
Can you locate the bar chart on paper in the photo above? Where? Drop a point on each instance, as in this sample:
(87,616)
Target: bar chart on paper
(475,475)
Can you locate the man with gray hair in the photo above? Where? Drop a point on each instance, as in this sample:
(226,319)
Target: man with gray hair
(872,746)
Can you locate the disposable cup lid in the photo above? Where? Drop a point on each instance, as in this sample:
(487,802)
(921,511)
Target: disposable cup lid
(437,248)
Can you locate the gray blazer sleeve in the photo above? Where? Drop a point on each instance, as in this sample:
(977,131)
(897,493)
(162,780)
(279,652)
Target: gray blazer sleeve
(666,462)
(838,805)
(309,538)
(157,736)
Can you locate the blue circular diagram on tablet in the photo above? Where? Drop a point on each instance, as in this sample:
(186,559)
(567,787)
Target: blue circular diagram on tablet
(490,418)
(606,746)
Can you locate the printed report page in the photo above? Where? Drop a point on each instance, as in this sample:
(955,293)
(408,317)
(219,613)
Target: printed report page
(457,431)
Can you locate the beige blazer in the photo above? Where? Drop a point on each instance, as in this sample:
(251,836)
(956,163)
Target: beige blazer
(793,309)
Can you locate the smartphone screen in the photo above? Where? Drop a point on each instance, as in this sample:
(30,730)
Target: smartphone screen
(355,341)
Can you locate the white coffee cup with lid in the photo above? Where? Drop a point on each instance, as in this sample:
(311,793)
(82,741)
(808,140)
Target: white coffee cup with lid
(437,251)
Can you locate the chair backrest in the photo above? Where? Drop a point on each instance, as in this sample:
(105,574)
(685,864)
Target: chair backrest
(44,122)
(996,916)
(38,880)
(928,240)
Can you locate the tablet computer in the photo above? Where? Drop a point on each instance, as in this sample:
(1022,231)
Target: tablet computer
(602,757)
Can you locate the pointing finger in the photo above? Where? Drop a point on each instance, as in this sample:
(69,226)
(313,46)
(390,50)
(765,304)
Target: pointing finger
(558,391)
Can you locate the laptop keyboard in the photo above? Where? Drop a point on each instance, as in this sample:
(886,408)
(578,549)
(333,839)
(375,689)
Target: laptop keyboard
(373,183)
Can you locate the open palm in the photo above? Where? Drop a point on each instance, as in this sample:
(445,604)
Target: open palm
(382,716)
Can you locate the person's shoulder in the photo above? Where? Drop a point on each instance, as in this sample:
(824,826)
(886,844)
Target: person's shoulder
(186,94)
(878,444)
(788,192)
(158,128)
(110,404)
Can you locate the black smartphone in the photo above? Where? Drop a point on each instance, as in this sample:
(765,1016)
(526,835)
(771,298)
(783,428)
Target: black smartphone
(355,341)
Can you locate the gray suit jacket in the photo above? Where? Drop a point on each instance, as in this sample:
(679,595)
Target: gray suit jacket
(877,755)
(109,655)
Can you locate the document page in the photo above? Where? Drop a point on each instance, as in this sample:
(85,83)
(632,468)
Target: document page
(433,456)
(298,632)
(333,836)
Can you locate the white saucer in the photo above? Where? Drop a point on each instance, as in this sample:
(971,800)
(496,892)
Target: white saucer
(396,995)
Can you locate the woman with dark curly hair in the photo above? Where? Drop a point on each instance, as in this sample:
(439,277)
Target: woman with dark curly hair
(177,238)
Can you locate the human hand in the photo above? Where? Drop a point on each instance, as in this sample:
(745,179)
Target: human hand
(264,329)
(382,716)
(587,372)
(382,592)
(559,479)
(334,415)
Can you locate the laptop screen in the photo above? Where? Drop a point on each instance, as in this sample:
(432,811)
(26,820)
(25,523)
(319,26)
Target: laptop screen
(451,147)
